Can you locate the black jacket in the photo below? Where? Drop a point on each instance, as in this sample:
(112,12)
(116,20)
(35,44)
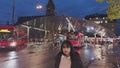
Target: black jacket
(75,60)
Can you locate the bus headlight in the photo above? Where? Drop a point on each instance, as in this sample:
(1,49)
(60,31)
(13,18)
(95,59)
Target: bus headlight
(13,44)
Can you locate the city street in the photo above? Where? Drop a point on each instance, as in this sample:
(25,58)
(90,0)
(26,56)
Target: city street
(33,32)
(43,55)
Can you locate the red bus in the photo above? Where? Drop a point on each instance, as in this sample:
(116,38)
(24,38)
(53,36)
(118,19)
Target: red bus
(11,38)
(76,38)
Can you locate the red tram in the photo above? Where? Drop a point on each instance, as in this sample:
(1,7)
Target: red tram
(11,38)
(76,38)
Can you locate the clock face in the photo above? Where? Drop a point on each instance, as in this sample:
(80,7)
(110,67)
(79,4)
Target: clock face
(48,8)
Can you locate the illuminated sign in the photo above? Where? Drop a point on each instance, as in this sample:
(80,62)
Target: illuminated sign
(4,30)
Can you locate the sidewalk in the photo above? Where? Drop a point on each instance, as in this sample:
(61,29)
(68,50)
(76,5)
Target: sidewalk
(101,64)
(102,60)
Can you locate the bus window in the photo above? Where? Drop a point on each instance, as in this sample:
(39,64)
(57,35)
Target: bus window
(73,37)
(76,38)
(7,36)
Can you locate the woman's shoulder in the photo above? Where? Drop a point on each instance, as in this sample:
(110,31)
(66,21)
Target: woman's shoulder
(58,55)
(75,53)
(76,56)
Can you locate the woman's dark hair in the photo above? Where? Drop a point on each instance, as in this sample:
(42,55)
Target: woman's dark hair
(68,44)
(74,56)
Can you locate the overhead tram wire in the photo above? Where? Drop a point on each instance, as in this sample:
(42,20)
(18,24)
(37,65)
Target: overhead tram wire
(31,4)
(3,6)
(64,10)
(28,3)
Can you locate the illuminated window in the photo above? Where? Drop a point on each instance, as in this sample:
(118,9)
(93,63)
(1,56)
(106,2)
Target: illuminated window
(106,21)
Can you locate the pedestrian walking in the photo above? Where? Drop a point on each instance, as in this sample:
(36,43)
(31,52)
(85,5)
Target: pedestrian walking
(67,57)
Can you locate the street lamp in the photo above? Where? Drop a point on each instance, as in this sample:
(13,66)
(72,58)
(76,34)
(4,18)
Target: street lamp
(39,7)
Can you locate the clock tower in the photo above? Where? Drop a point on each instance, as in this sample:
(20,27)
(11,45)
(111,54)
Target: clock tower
(50,7)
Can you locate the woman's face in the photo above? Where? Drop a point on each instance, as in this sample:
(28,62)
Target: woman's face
(66,49)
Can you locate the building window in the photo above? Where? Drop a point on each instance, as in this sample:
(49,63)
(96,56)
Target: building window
(97,22)
(106,21)
(103,17)
(101,22)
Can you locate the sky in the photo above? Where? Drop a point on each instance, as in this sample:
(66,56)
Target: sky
(75,8)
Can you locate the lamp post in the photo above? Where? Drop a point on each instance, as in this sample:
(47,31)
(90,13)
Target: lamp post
(13,9)
(39,7)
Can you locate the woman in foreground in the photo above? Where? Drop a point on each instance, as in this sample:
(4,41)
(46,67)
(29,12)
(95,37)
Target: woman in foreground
(67,57)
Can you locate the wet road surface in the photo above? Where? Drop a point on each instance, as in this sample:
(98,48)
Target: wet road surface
(38,56)
(42,56)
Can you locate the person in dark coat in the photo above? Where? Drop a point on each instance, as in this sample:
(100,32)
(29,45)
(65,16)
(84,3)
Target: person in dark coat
(68,57)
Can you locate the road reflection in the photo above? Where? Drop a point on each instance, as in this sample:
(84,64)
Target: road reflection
(11,64)
(9,59)
(12,55)
(88,53)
